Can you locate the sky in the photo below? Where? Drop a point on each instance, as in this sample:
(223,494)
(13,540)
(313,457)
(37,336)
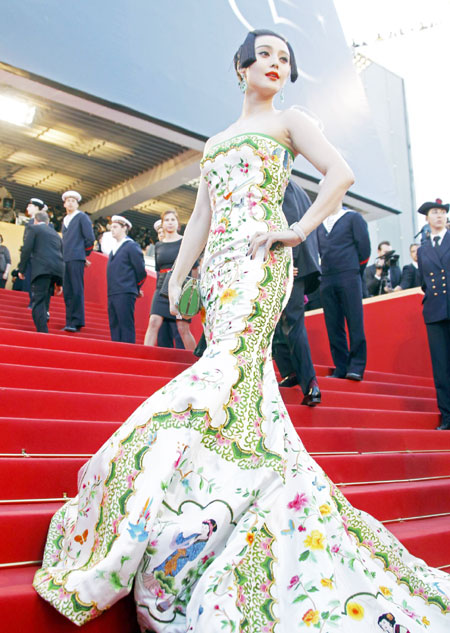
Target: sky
(414,44)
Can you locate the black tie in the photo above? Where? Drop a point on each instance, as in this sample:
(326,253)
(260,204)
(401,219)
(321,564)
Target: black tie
(436,239)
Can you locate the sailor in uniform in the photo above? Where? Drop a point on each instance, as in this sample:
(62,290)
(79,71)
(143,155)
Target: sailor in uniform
(434,266)
(78,242)
(125,276)
(344,248)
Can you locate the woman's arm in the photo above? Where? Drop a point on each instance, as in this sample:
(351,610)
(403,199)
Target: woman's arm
(308,140)
(194,240)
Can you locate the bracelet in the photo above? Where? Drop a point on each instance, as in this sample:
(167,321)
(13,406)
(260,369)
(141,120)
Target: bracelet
(298,231)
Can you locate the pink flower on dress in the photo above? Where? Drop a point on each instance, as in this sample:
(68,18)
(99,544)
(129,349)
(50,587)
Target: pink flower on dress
(241,599)
(222,441)
(335,549)
(236,398)
(220,229)
(131,477)
(301,528)
(265,589)
(298,502)
(293,581)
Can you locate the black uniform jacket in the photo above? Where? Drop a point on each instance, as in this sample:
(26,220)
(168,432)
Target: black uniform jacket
(126,269)
(44,247)
(410,277)
(305,255)
(434,266)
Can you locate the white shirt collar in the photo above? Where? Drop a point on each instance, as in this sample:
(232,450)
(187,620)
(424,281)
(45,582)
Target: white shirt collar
(331,220)
(69,217)
(441,236)
(116,245)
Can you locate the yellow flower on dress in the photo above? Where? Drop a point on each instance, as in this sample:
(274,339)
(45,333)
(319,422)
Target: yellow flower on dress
(316,540)
(250,538)
(311,617)
(228,295)
(386,591)
(327,582)
(325,509)
(355,611)
(425,621)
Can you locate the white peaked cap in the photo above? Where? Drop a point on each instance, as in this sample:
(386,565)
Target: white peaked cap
(71,194)
(37,202)
(157,225)
(122,220)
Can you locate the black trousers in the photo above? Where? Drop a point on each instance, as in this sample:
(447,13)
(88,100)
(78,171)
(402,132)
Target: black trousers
(341,296)
(2,281)
(290,347)
(168,335)
(121,317)
(40,302)
(73,287)
(439,343)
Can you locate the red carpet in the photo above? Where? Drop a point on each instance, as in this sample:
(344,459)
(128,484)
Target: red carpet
(63,395)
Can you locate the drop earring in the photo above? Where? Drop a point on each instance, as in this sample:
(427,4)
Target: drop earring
(243,85)
(282,95)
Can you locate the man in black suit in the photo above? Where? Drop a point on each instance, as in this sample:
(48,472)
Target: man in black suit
(344,248)
(290,347)
(434,267)
(376,282)
(43,247)
(410,273)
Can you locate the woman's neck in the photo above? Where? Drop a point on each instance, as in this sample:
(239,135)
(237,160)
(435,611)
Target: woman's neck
(254,105)
(172,237)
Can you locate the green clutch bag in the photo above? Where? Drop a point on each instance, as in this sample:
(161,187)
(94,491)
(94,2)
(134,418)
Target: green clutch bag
(189,302)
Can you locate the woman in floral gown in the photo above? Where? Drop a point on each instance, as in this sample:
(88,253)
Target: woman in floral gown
(205,498)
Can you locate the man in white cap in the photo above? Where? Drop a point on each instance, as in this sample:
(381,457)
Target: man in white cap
(125,276)
(78,241)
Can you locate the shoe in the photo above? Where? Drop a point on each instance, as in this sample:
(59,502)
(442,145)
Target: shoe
(48,316)
(313,396)
(353,376)
(443,427)
(288,381)
(335,374)
(70,328)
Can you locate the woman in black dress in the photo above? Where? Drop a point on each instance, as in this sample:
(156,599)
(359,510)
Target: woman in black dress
(165,254)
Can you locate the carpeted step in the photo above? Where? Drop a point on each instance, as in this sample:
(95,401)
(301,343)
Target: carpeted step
(63,359)
(102,382)
(51,436)
(109,348)
(22,609)
(378,376)
(384,467)
(387,502)
(370,440)
(85,406)
(21,299)
(24,528)
(52,477)
(44,435)
(426,538)
(365,386)
(39,478)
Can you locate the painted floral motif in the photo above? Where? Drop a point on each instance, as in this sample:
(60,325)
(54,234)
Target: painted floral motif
(205,498)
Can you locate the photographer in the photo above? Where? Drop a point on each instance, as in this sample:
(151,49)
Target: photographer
(385,275)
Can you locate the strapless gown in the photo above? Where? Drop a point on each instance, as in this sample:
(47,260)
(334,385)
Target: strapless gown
(205,500)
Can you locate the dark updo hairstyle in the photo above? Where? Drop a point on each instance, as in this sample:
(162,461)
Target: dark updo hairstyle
(387,617)
(245,56)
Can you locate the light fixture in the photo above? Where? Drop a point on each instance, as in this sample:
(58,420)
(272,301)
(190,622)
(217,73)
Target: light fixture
(16,111)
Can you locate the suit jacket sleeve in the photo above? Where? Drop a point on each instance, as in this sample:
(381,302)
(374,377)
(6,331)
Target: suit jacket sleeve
(27,249)
(88,234)
(138,263)
(407,280)
(362,240)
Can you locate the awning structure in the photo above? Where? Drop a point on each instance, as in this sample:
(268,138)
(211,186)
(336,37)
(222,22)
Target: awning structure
(118,159)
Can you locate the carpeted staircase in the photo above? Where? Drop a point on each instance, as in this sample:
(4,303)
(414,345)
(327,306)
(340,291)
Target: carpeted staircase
(61,396)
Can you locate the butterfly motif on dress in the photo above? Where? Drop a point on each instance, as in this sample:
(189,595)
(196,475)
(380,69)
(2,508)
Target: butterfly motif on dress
(81,538)
(291,529)
(282,154)
(318,485)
